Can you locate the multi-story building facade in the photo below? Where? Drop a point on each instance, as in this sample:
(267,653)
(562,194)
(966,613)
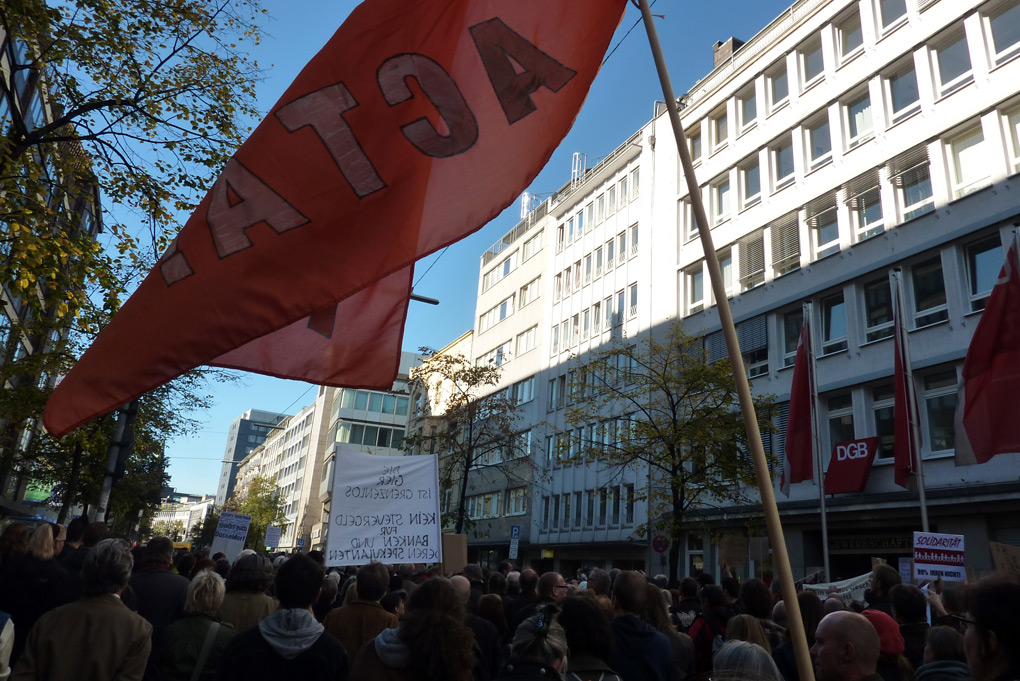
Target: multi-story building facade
(182,512)
(848,138)
(371,421)
(247,432)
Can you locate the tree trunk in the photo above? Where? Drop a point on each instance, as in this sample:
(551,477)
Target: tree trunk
(72,484)
(676,536)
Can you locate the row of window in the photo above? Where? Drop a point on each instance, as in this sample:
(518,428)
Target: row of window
(608,506)
(506,307)
(615,196)
(487,505)
(592,265)
(592,321)
(563,388)
(974,265)
(378,403)
(948,56)
(509,263)
(370,435)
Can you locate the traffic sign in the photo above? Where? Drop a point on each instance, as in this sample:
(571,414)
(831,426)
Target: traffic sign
(513,549)
(660,543)
(515,531)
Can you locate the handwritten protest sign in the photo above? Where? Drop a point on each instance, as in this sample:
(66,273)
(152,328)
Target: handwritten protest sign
(273,536)
(231,532)
(1006,558)
(384,508)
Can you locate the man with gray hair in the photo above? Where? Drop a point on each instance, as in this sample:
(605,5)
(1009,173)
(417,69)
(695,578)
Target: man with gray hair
(95,638)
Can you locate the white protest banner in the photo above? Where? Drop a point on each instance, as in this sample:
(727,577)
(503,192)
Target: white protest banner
(231,532)
(272,537)
(939,555)
(384,508)
(848,589)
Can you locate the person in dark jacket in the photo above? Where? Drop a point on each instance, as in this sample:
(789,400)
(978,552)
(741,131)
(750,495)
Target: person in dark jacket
(909,609)
(944,658)
(883,578)
(688,608)
(589,640)
(158,593)
(488,648)
(641,652)
(709,629)
(812,610)
(526,600)
(290,643)
(992,639)
(539,650)
(185,640)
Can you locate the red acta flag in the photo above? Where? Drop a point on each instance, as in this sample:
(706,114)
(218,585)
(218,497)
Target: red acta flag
(798,458)
(416,124)
(986,411)
(906,448)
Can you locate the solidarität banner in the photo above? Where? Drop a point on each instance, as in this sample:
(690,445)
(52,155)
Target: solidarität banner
(416,124)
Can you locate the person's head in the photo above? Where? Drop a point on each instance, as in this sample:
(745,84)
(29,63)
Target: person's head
(94,533)
(406,571)
(462,586)
(992,639)
(473,571)
(846,647)
(890,640)
(629,593)
(185,564)
(739,660)
(159,551)
(656,611)
(883,578)
(372,580)
(41,544)
(745,627)
(661,581)
(944,644)
(908,604)
(731,588)
(497,583)
(712,596)
(435,634)
(688,587)
(833,604)
(107,568)
(505,567)
(76,530)
(490,607)
(811,613)
(298,582)
(755,598)
(13,541)
(779,613)
(586,626)
(551,585)
(598,581)
(318,556)
(395,602)
(205,593)
(222,567)
(513,582)
(529,581)
(251,573)
(540,638)
(705,579)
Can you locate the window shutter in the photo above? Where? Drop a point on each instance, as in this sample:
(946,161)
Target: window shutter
(786,244)
(752,258)
(818,210)
(910,167)
(715,347)
(753,333)
(778,438)
(860,186)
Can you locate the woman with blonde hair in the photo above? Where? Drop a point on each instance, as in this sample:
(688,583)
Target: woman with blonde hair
(33,584)
(193,644)
(748,628)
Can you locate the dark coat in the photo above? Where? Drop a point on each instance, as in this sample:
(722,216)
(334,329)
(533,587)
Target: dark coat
(159,596)
(522,669)
(642,653)
(249,657)
(487,647)
(29,589)
(182,645)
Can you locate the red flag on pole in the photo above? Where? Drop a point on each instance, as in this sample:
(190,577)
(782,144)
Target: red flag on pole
(907,444)
(798,455)
(986,413)
(414,126)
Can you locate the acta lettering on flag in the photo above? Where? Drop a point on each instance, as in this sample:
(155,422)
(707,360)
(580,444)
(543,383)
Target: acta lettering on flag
(415,125)
(986,414)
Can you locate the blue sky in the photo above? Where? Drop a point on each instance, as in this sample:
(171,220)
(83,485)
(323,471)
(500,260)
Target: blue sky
(619,103)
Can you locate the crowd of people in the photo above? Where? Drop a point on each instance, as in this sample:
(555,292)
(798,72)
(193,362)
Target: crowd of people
(77,605)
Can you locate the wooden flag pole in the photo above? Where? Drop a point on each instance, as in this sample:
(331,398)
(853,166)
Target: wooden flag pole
(768,497)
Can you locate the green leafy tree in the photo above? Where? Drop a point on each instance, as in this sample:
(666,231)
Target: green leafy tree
(174,529)
(204,531)
(681,424)
(261,500)
(139,102)
(476,427)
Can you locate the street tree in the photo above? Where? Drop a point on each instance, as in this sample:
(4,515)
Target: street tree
(134,105)
(174,529)
(261,500)
(660,406)
(473,427)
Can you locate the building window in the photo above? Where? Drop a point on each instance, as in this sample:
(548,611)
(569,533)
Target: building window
(903,95)
(633,239)
(750,183)
(689,221)
(726,265)
(629,500)
(811,63)
(747,109)
(531,291)
(721,199)
(825,230)
(864,199)
(833,325)
(600,208)
(952,64)
(819,143)
(785,244)
(929,293)
(754,345)
(782,163)
(968,168)
(623,196)
(984,261)
(752,259)
(850,37)
(857,112)
(720,130)
(610,254)
(517,501)
(695,280)
(939,409)
(524,391)
(588,265)
(793,321)
(621,247)
(532,246)
(621,302)
(611,200)
(633,290)
(608,305)
(891,11)
(1012,121)
(1003,25)
(878,315)
(527,340)
(779,87)
(635,176)
(883,408)
(911,176)
(694,139)
(841,419)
